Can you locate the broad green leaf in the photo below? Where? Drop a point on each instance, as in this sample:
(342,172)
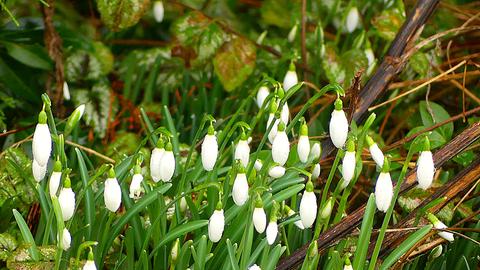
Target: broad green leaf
(27,236)
(388,23)
(278,12)
(419,62)
(353,61)
(365,233)
(432,113)
(120,14)
(30,55)
(332,64)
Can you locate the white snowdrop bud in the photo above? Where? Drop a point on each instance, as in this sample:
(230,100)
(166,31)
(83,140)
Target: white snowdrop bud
(308,206)
(316,151)
(384,188)
(176,249)
(276,171)
(254,267)
(242,150)
(240,187)
(348,164)
(285,113)
(375,152)
(327,209)
(42,141)
(370,56)
(66,91)
(158,11)
(38,171)
(90,264)
(440,225)
(183,204)
(338,125)
(281,146)
(216,224)
(259,216)
(167,164)
(258,165)
(209,149)
(292,33)
(316,171)
(353,19)
(262,94)
(66,239)
(136,189)
(272,231)
(155,160)
(303,147)
(425,167)
(55,178)
(112,194)
(289,212)
(66,200)
(290,78)
(273,131)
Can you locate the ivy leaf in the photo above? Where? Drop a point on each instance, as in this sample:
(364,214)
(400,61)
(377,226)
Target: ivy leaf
(419,62)
(121,14)
(388,23)
(234,62)
(436,139)
(353,61)
(436,115)
(332,65)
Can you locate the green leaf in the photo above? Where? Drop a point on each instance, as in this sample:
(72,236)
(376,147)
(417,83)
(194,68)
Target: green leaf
(419,62)
(27,236)
(120,14)
(8,244)
(17,85)
(432,113)
(278,12)
(365,233)
(231,255)
(388,23)
(89,198)
(30,55)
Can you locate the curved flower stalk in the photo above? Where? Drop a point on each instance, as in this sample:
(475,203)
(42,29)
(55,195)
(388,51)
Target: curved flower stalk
(216,224)
(290,78)
(384,188)
(240,187)
(276,171)
(272,228)
(303,146)
(259,215)
(338,125)
(375,151)
(242,150)
(90,264)
(440,225)
(281,146)
(262,94)
(271,117)
(55,178)
(158,11)
(38,171)
(308,206)
(167,164)
(42,141)
(348,164)
(66,200)
(209,149)
(352,20)
(136,189)
(289,212)
(425,166)
(155,160)
(112,193)
(66,240)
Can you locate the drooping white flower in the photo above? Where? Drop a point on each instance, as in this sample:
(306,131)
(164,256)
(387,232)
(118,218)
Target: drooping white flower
(274,130)
(281,146)
(375,152)
(338,125)
(316,171)
(155,160)
(348,265)
(240,188)
(38,171)
(308,206)
(183,204)
(73,119)
(258,165)
(316,151)
(327,209)
(209,150)
(90,264)
(254,267)
(425,167)
(290,77)
(353,19)
(276,171)
(136,189)
(66,239)
(66,91)
(292,33)
(42,141)
(262,94)
(167,164)
(216,225)
(272,231)
(370,56)
(290,213)
(242,151)
(384,189)
(348,164)
(176,249)
(158,11)
(55,178)
(66,200)
(303,146)
(440,225)
(112,194)
(285,113)
(259,219)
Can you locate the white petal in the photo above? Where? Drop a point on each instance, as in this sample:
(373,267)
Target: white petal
(258,165)
(290,80)
(66,199)
(262,94)
(54,183)
(370,56)
(155,160)
(425,170)
(285,113)
(136,189)
(158,11)
(353,18)
(240,189)
(216,225)
(297,223)
(348,267)
(377,154)
(348,167)
(41,144)
(383,192)
(280,148)
(276,171)
(66,91)
(315,152)
(338,128)
(112,194)
(66,239)
(259,219)
(38,171)
(308,209)
(303,148)
(167,166)
(242,152)
(89,265)
(273,131)
(209,152)
(254,267)
(272,231)
(445,235)
(316,171)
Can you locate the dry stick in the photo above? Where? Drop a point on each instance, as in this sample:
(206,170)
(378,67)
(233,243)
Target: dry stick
(397,85)
(90,151)
(348,224)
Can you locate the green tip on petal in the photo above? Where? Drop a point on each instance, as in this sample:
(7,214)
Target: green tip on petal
(169,147)
(244,136)
(111,173)
(42,117)
(90,255)
(426,144)
(386,165)
(240,168)
(211,129)
(273,214)
(304,130)
(338,104)
(291,67)
(160,143)
(350,146)
(370,141)
(281,126)
(273,106)
(57,167)
(309,186)
(137,169)
(258,201)
(67,183)
(432,218)
(313,249)
(219,205)
(347,261)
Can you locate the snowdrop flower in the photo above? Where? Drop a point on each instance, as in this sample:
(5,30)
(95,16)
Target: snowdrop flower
(348,164)
(425,167)
(112,194)
(74,118)
(353,19)
(375,152)
(370,56)
(327,209)
(289,212)
(348,265)
(155,160)
(38,171)
(183,204)
(338,125)
(167,164)
(176,249)
(158,11)
(308,206)
(316,171)
(209,149)
(258,165)
(66,91)
(280,146)
(136,189)
(276,171)
(216,224)
(55,178)
(254,267)
(290,78)
(285,113)
(66,200)
(259,216)
(242,150)
(90,264)
(240,187)
(272,118)
(303,147)
(316,151)
(262,94)
(384,188)
(272,228)
(292,33)
(42,141)
(440,225)
(66,239)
